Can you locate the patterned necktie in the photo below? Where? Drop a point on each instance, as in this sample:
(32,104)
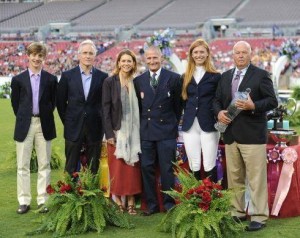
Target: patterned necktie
(153,81)
(235,83)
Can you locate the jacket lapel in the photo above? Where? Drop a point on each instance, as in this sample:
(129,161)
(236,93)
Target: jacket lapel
(42,84)
(247,76)
(28,83)
(162,84)
(93,83)
(148,89)
(204,78)
(228,85)
(78,81)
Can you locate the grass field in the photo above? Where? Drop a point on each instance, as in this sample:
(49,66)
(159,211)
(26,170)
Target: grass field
(14,225)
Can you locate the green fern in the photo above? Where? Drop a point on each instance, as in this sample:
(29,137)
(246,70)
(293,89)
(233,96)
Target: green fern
(80,207)
(188,220)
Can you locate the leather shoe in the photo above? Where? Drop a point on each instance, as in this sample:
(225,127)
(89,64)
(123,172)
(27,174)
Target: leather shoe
(42,208)
(149,212)
(23,209)
(255,226)
(239,219)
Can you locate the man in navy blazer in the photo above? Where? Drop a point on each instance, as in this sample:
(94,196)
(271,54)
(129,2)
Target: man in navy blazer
(33,101)
(158,91)
(79,107)
(246,135)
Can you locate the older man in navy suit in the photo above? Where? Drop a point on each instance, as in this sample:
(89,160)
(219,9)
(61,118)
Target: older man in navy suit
(79,107)
(158,91)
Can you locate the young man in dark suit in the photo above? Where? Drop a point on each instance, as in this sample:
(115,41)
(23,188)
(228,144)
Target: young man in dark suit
(79,107)
(158,91)
(246,135)
(33,101)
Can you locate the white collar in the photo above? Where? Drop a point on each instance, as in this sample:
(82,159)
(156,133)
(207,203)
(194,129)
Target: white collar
(244,70)
(157,73)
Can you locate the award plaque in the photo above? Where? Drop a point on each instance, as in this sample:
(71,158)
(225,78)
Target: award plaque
(232,110)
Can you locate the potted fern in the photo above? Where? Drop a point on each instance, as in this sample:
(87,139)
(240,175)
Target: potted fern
(202,210)
(77,205)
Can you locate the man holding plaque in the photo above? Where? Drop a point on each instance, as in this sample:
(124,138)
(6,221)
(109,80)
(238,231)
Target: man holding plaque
(246,135)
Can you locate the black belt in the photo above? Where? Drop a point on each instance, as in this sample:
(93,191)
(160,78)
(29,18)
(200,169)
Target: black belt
(35,115)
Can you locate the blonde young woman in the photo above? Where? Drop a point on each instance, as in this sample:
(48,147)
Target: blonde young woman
(199,86)
(121,124)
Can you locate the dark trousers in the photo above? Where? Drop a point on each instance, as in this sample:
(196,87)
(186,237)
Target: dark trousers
(73,148)
(165,152)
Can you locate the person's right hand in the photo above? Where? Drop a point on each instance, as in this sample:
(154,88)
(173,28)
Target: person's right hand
(111,141)
(222,117)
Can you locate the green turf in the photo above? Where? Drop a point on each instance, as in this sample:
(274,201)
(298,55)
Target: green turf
(14,225)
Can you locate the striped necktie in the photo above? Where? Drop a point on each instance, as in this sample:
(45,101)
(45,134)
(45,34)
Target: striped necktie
(153,81)
(235,83)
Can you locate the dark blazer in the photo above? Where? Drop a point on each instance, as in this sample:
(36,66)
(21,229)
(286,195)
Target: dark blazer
(199,102)
(74,110)
(21,100)
(112,105)
(249,127)
(160,109)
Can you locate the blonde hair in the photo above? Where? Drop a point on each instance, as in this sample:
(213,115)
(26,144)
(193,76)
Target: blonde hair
(116,70)
(36,48)
(191,66)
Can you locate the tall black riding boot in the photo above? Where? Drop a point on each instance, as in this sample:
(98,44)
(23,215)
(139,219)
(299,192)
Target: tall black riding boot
(197,175)
(212,174)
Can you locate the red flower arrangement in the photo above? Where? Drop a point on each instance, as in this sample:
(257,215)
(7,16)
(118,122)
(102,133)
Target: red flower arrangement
(202,209)
(77,205)
(204,193)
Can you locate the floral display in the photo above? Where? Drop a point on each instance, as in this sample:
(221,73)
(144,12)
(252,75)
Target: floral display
(162,39)
(77,205)
(202,210)
(291,49)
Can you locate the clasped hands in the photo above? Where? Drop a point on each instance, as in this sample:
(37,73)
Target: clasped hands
(240,104)
(112,140)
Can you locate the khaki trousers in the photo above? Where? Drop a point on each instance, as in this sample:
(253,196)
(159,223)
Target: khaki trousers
(43,152)
(248,162)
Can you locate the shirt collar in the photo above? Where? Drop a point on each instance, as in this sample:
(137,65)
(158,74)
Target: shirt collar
(157,73)
(82,72)
(31,73)
(244,70)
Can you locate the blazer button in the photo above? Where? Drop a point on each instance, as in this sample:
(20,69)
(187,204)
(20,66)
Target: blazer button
(149,110)
(161,120)
(159,106)
(149,119)
(196,108)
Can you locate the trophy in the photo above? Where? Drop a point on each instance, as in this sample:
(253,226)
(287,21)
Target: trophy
(278,134)
(232,110)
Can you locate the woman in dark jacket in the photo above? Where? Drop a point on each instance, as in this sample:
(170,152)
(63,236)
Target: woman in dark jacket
(121,123)
(199,86)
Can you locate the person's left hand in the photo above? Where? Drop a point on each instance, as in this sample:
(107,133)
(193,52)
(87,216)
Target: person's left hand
(245,104)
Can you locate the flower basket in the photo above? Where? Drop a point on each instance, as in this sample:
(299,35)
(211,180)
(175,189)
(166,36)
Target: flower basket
(202,210)
(77,206)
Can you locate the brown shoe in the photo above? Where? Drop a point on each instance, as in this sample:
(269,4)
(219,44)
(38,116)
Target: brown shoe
(131,210)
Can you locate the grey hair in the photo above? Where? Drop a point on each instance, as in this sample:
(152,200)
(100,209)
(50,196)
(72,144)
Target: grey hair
(87,42)
(153,48)
(242,43)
